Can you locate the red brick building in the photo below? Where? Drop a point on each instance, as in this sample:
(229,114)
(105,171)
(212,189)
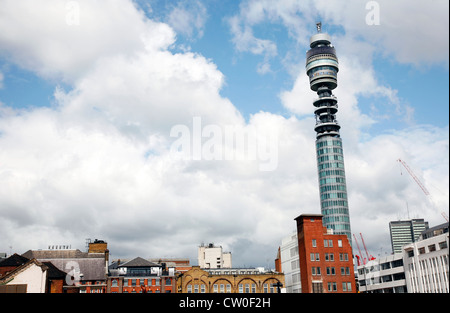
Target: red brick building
(141,276)
(326,263)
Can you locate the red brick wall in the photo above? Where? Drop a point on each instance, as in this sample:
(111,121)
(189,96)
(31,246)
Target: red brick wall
(309,228)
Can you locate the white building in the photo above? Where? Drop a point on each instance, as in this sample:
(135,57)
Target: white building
(211,256)
(290,263)
(426,265)
(422,267)
(383,275)
(31,277)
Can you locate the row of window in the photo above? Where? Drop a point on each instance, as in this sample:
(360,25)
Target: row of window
(343,211)
(329,150)
(332,180)
(140,282)
(331,172)
(322,70)
(337,218)
(331,165)
(333,195)
(327,243)
(331,271)
(226,288)
(328,203)
(333,188)
(325,143)
(330,158)
(315,257)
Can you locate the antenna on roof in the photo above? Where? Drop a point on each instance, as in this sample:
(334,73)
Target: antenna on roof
(319,27)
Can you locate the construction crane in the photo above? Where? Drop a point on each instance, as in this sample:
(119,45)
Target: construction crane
(424,189)
(360,254)
(414,177)
(369,257)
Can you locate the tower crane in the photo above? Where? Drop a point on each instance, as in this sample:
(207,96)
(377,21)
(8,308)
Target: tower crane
(425,190)
(360,254)
(369,257)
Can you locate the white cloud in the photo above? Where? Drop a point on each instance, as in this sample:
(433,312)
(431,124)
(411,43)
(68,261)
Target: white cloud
(42,36)
(188,17)
(98,163)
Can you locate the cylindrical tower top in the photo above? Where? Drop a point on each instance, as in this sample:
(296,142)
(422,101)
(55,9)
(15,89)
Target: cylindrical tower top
(318,39)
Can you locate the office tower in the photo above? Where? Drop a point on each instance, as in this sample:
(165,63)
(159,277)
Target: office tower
(322,67)
(405,232)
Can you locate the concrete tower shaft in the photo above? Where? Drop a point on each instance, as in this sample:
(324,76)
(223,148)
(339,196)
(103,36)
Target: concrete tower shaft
(322,66)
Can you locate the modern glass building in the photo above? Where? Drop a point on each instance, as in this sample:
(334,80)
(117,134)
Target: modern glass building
(405,232)
(322,66)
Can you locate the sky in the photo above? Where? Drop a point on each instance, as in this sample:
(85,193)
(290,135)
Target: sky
(160,125)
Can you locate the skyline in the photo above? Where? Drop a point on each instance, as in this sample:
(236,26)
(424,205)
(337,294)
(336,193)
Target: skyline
(89,94)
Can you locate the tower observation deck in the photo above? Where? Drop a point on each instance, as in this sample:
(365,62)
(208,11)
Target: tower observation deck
(322,66)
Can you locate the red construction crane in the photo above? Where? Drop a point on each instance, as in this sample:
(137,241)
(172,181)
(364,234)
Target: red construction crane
(414,177)
(360,254)
(369,257)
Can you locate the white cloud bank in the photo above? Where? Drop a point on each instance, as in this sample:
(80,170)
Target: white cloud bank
(98,163)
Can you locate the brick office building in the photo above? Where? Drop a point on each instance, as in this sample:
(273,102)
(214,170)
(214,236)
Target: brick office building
(230,280)
(326,263)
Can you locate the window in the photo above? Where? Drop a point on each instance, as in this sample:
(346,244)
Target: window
(228,288)
(340,243)
(317,287)
(253,288)
(343,256)
(346,286)
(114,283)
(331,271)
(222,288)
(314,243)
(168,282)
(325,243)
(125,282)
(432,248)
(133,282)
(330,243)
(315,271)
(443,245)
(332,287)
(195,288)
(202,288)
(189,288)
(317,257)
(312,257)
(345,271)
(247,288)
(266,289)
(216,288)
(241,288)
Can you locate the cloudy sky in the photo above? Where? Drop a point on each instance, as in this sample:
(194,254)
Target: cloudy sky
(125,121)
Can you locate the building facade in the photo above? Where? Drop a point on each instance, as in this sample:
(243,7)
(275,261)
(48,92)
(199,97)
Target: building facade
(427,265)
(211,256)
(141,276)
(405,232)
(326,263)
(383,275)
(322,66)
(290,263)
(87,271)
(231,280)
